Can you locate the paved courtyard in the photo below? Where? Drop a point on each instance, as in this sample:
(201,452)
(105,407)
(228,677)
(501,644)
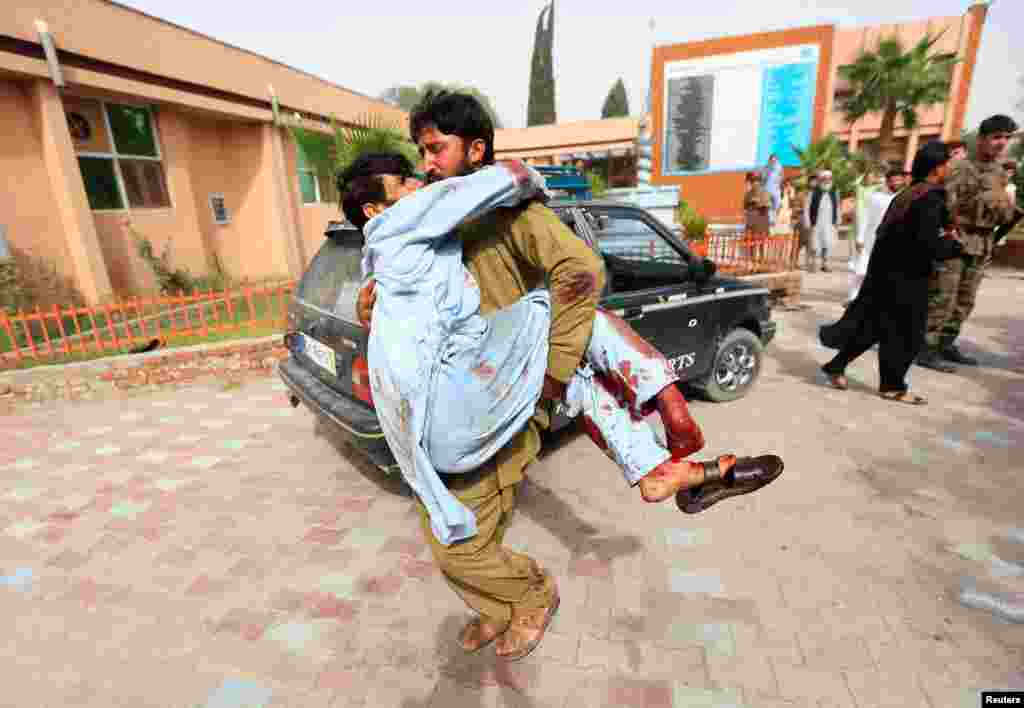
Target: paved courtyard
(212,547)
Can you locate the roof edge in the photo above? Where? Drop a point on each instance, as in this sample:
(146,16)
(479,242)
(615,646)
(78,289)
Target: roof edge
(249,52)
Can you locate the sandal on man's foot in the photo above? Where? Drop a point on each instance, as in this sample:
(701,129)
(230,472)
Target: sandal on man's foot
(748,475)
(478,634)
(904,397)
(516,643)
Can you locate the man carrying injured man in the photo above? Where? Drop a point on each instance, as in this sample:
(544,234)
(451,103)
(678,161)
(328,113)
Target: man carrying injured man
(456,384)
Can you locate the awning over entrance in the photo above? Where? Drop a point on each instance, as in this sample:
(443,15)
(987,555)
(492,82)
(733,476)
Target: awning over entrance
(581,140)
(568,154)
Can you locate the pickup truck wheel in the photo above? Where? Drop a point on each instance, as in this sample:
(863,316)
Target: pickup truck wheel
(736,368)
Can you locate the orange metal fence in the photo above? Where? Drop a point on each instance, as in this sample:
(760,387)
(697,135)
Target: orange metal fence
(749,254)
(50,333)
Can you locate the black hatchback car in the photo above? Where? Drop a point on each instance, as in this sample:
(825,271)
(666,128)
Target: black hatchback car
(713,329)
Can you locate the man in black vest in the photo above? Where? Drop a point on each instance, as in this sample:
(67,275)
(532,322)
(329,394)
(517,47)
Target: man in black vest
(821,215)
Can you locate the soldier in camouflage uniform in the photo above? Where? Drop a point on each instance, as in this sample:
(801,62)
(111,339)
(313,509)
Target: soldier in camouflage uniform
(978,204)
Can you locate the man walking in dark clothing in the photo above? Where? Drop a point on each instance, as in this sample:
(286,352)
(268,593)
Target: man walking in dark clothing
(892,305)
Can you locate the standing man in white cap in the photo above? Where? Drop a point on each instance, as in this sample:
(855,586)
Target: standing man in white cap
(821,215)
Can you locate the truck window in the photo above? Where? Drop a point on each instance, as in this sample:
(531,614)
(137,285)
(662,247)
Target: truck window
(636,256)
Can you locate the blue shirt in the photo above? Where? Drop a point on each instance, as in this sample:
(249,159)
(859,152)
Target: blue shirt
(448,384)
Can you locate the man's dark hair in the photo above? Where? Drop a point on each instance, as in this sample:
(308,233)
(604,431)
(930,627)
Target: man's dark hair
(956,145)
(895,171)
(931,155)
(454,114)
(997,124)
(360,183)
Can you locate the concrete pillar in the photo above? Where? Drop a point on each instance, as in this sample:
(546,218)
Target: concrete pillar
(960,88)
(644,152)
(283,215)
(71,202)
(912,145)
(854,137)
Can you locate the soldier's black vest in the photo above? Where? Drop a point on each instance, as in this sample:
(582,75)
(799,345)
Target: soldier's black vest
(816,204)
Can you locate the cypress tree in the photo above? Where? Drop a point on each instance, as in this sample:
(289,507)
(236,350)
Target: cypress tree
(541,107)
(616,104)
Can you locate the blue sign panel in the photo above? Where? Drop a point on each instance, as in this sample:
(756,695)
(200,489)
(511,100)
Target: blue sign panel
(787,112)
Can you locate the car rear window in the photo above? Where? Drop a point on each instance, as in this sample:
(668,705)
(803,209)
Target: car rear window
(333,279)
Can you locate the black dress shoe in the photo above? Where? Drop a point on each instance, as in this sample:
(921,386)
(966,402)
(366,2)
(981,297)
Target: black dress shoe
(748,475)
(931,360)
(953,353)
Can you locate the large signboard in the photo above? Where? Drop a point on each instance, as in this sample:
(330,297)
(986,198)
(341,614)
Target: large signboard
(730,112)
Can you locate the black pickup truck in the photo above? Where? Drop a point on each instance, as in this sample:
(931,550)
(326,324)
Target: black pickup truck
(713,329)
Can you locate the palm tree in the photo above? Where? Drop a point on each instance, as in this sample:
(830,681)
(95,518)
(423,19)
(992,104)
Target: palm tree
(329,155)
(896,83)
(830,154)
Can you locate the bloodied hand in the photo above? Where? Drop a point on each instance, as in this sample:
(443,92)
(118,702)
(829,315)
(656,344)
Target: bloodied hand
(364,303)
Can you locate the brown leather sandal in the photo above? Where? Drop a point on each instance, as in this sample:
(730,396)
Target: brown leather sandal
(472,637)
(525,620)
(748,475)
(904,397)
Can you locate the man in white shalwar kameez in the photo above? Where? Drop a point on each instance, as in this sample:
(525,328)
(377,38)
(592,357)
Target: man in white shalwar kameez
(821,216)
(875,209)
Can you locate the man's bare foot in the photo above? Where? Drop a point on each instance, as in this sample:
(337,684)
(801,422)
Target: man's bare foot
(478,634)
(670,477)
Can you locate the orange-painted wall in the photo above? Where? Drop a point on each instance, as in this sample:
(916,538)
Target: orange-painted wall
(28,211)
(719,196)
(203,155)
(175,230)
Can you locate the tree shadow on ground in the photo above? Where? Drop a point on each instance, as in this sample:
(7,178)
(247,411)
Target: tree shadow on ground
(391,483)
(543,506)
(535,501)
(465,675)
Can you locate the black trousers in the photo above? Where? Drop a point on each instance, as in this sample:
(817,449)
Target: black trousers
(899,330)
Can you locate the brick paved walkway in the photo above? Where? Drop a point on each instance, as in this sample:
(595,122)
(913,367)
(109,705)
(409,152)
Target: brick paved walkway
(207,548)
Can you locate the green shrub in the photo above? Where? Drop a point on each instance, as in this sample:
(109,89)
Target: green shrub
(598,183)
(693,224)
(169,279)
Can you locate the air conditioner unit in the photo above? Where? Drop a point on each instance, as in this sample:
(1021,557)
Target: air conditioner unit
(219,209)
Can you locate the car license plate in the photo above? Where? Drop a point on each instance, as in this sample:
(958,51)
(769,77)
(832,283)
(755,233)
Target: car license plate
(321,354)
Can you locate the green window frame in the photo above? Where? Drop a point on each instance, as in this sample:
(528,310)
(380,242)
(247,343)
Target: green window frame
(132,174)
(314,188)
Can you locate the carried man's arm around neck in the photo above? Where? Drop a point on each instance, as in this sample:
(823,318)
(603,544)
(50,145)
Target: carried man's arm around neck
(431,215)
(434,212)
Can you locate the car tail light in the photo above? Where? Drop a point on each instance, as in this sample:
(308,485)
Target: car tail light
(361,380)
